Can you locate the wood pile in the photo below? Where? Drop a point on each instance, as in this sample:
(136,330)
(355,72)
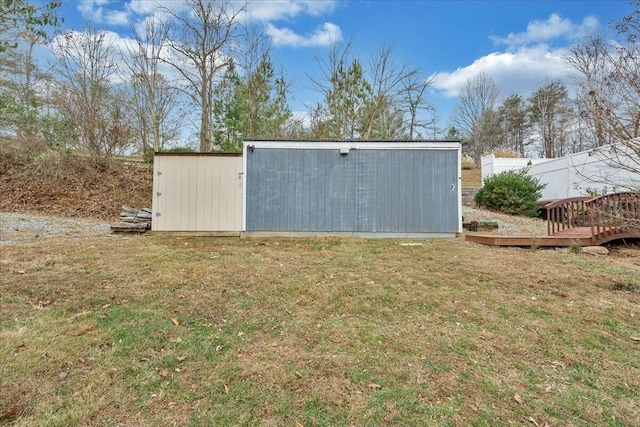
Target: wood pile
(133,220)
(480,225)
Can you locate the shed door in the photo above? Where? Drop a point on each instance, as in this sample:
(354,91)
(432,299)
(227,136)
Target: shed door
(407,191)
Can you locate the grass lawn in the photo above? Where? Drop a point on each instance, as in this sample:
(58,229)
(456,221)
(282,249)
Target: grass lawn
(161,330)
(472,177)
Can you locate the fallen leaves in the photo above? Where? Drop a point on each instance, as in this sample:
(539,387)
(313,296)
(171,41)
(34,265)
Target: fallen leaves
(175,321)
(518,398)
(9,413)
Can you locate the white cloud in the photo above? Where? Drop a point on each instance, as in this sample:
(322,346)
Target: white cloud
(96,11)
(554,27)
(287,9)
(323,36)
(522,71)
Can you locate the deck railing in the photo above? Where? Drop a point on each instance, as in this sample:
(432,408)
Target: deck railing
(567,213)
(606,216)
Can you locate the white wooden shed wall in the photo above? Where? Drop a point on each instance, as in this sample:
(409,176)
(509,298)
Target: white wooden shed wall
(197,193)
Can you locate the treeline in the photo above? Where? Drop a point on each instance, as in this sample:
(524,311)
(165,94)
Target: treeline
(199,68)
(604,109)
(202,67)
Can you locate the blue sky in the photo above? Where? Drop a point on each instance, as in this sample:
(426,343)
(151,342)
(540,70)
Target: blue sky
(520,44)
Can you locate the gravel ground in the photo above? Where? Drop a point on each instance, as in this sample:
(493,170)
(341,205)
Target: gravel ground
(16,228)
(507,224)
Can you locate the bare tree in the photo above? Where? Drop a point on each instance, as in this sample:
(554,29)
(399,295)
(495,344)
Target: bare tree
(550,112)
(155,101)
(596,95)
(86,65)
(384,115)
(414,101)
(203,42)
(346,94)
(474,116)
(609,85)
(398,99)
(387,100)
(515,127)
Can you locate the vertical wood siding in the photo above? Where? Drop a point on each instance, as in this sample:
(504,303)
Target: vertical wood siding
(197,193)
(366,190)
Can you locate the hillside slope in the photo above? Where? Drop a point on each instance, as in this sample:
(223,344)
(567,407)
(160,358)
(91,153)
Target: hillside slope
(55,183)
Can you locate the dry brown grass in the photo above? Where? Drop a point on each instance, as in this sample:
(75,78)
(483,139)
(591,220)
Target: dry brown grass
(160,330)
(472,177)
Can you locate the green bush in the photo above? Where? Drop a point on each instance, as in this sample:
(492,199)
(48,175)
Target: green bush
(511,192)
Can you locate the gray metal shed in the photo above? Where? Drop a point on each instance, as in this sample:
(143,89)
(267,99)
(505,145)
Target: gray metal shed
(364,188)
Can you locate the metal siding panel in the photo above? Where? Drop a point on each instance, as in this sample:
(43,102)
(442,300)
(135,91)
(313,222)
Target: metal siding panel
(191,177)
(443,201)
(174,194)
(297,194)
(177,215)
(238,195)
(365,190)
(269,178)
(224,191)
(225,194)
(313,195)
(412,191)
(321,190)
(394,190)
(432,193)
(251,208)
(336,179)
(419,222)
(159,202)
(201,192)
(345,192)
(290,207)
(308,177)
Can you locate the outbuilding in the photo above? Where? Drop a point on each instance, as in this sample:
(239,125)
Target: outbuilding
(277,187)
(352,187)
(199,193)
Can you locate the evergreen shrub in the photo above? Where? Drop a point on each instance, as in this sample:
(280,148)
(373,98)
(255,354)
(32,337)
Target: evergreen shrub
(510,192)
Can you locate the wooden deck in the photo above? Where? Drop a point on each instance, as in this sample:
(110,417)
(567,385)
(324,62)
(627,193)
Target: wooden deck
(582,221)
